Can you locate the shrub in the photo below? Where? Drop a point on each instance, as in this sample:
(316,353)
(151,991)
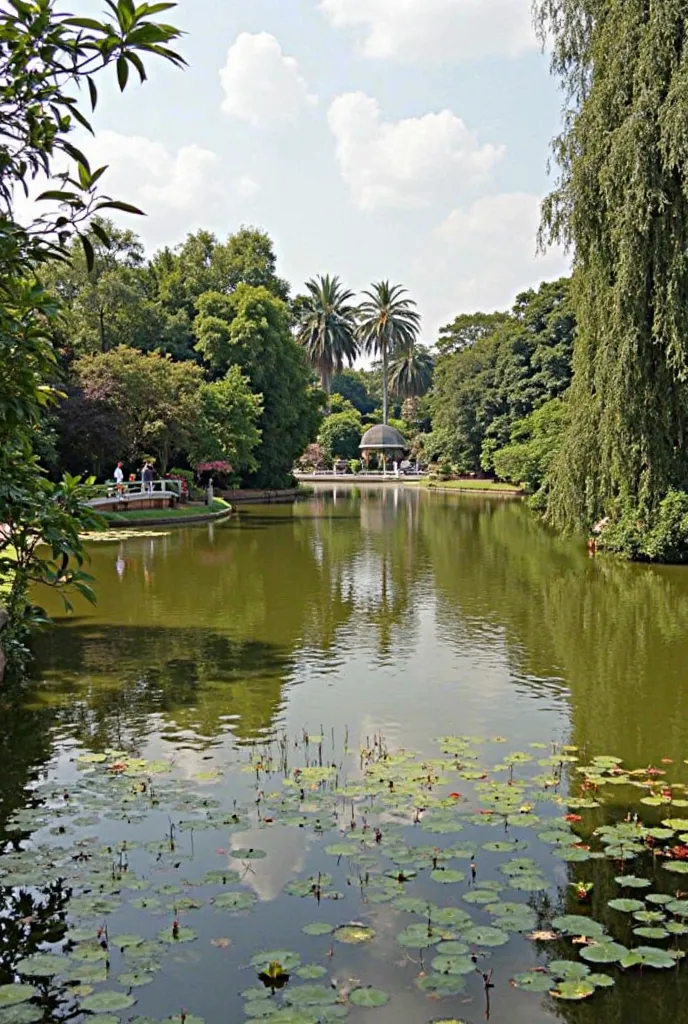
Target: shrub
(658,535)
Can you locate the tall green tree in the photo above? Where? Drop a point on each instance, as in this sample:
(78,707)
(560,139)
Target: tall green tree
(621,203)
(411,371)
(251,328)
(388,323)
(157,400)
(327,327)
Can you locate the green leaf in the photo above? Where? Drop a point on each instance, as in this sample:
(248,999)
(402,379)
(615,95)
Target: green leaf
(11,995)
(122,73)
(102,1002)
(532,981)
(583,988)
(606,952)
(369,997)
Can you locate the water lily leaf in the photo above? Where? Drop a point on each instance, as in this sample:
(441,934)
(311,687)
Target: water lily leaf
(24,1013)
(626,906)
(648,956)
(633,882)
(42,965)
(174,935)
(233,902)
(601,980)
(532,981)
(529,883)
(134,979)
(568,970)
(442,984)
(248,853)
(354,933)
(453,964)
(411,904)
(420,936)
(505,846)
(479,896)
(309,972)
(679,867)
(452,948)
(606,952)
(101,1002)
(486,936)
(650,932)
(369,997)
(311,995)
(676,824)
(649,916)
(318,928)
(447,875)
(125,940)
(676,928)
(342,849)
(287,959)
(581,988)
(661,899)
(12,995)
(222,877)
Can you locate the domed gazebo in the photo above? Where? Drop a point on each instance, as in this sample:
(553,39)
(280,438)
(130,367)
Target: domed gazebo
(384,441)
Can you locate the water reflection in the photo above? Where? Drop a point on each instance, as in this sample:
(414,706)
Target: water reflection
(337,604)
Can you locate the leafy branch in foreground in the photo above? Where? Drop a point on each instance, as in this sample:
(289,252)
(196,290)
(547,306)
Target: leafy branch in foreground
(47,61)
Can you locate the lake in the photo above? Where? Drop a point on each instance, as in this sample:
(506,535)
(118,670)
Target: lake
(394,718)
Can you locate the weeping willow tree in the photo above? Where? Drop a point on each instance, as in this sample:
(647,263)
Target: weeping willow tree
(621,205)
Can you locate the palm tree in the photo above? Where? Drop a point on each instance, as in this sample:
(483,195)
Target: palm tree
(327,327)
(388,323)
(410,372)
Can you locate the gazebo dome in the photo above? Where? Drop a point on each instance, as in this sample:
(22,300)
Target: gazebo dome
(382,438)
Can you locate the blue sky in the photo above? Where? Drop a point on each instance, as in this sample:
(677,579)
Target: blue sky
(404,139)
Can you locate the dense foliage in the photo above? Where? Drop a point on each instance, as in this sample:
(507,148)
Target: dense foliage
(495,372)
(622,204)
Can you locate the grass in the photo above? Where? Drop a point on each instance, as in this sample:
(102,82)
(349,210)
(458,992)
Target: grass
(181,512)
(470,484)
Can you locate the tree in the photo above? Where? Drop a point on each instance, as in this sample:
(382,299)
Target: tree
(327,328)
(353,385)
(157,400)
(250,328)
(226,429)
(410,372)
(481,390)
(534,444)
(467,329)
(45,59)
(203,264)
(621,203)
(388,322)
(340,435)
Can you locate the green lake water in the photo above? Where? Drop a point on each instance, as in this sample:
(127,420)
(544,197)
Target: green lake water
(255,659)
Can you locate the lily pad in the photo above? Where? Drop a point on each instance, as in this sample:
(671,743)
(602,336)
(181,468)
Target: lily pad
(102,1002)
(486,936)
(248,853)
(532,981)
(447,875)
(369,997)
(233,902)
(174,935)
(582,988)
(648,956)
(606,952)
(441,984)
(633,882)
(574,924)
(42,965)
(626,906)
(12,995)
(317,928)
(353,934)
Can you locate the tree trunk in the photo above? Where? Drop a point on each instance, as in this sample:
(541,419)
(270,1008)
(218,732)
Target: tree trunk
(326,385)
(384,383)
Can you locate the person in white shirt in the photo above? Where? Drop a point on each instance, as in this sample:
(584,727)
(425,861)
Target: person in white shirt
(119,477)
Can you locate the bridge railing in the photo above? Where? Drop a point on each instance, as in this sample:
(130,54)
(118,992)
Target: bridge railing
(131,488)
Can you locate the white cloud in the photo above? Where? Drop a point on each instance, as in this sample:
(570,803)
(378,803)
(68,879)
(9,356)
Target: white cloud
(146,173)
(490,252)
(404,163)
(247,187)
(420,30)
(260,83)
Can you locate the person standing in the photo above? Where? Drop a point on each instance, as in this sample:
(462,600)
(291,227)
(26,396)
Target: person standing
(147,478)
(119,477)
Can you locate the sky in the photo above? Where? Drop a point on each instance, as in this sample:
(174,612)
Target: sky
(374,139)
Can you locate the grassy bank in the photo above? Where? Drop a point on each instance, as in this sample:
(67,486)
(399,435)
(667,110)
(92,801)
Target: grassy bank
(471,485)
(154,514)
